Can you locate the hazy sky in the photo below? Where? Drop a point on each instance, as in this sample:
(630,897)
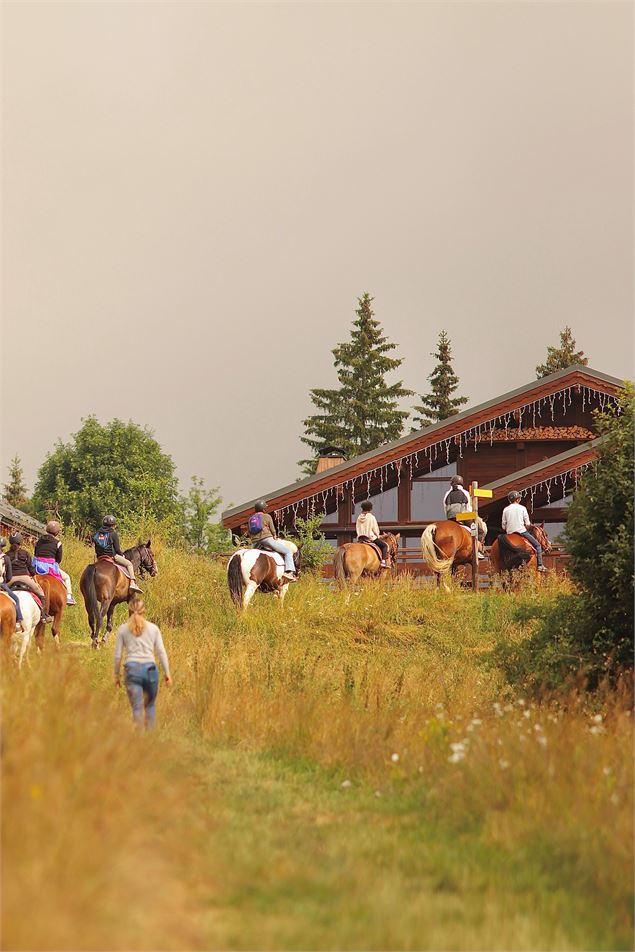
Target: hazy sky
(194,194)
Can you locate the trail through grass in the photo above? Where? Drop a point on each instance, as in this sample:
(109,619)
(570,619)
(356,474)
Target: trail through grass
(349,773)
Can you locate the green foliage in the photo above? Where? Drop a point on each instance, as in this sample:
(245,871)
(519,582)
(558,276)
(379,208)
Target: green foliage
(439,404)
(15,490)
(198,509)
(559,358)
(592,630)
(316,551)
(116,467)
(363,412)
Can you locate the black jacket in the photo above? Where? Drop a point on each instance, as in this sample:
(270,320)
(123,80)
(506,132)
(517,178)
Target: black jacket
(20,562)
(111,546)
(48,547)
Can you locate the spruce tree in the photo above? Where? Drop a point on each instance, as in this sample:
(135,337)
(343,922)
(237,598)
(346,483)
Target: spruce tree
(363,412)
(15,491)
(559,358)
(439,403)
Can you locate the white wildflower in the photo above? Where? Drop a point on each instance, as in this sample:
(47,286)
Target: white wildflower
(597,718)
(542,740)
(503,764)
(456,757)
(378,793)
(526,713)
(615,799)
(395,758)
(520,702)
(537,727)
(597,729)
(497,709)
(346,783)
(606,771)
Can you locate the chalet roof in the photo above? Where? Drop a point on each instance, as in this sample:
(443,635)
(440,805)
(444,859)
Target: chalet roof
(549,468)
(577,375)
(21,520)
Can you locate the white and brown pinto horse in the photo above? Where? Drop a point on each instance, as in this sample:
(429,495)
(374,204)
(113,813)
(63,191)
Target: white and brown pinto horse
(447,544)
(250,570)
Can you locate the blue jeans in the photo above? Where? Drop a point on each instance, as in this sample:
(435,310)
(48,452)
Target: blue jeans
(142,685)
(532,541)
(18,610)
(277,545)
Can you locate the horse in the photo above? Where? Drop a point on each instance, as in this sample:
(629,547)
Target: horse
(356,559)
(104,587)
(54,604)
(249,570)
(509,552)
(7,619)
(447,544)
(20,640)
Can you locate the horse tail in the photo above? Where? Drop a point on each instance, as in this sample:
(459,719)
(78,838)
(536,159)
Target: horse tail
(93,608)
(512,556)
(235,580)
(430,550)
(338,565)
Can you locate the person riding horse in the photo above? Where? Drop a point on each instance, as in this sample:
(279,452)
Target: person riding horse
(456,500)
(367,529)
(263,535)
(47,557)
(107,545)
(23,571)
(516,520)
(6,574)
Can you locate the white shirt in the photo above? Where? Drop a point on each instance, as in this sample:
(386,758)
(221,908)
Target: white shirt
(366,525)
(468,498)
(515,518)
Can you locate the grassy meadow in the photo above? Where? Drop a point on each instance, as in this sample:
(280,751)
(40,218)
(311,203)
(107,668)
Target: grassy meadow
(353,772)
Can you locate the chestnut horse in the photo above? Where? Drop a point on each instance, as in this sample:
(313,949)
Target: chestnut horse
(104,587)
(509,552)
(359,558)
(54,604)
(447,544)
(7,619)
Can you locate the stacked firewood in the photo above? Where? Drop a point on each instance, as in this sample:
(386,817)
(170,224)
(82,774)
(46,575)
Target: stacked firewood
(514,434)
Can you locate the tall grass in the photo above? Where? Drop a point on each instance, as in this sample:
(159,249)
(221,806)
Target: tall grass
(389,688)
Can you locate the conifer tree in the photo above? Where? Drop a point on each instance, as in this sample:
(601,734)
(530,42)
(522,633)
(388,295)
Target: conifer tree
(14,490)
(559,358)
(363,412)
(439,403)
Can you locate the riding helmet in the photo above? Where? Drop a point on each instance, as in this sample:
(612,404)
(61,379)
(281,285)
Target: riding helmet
(457,481)
(3,542)
(513,495)
(15,539)
(109,521)
(261,505)
(53,527)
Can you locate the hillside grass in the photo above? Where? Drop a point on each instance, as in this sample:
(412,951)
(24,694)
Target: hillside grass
(351,772)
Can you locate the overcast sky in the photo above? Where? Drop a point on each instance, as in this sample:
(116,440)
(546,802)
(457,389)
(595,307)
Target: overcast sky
(194,195)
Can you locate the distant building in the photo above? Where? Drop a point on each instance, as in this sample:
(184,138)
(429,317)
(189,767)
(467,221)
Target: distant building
(14,520)
(535,439)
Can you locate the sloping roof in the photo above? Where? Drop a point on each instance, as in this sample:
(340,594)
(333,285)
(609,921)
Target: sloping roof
(21,520)
(577,375)
(549,468)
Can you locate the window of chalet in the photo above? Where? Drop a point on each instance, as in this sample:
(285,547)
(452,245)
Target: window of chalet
(558,503)
(384,506)
(427,494)
(330,518)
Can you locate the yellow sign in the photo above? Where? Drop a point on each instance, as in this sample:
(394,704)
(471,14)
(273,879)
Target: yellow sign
(483,493)
(466,516)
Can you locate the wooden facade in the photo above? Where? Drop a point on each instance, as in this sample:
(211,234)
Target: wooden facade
(535,439)
(14,520)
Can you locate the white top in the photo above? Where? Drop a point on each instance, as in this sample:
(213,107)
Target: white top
(468,498)
(515,518)
(142,647)
(366,525)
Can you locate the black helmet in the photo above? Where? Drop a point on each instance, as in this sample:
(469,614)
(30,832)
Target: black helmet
(261,505)
(513,495)
(3,542)
(109,522)
(457,481)
(15,539)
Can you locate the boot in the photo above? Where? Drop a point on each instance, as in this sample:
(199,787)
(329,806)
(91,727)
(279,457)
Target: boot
(134,587)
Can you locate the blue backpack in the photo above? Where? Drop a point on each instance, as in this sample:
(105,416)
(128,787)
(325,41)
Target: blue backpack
(102,539)
(255,523)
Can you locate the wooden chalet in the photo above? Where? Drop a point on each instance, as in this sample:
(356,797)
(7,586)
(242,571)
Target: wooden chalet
(14,520)
(535,439)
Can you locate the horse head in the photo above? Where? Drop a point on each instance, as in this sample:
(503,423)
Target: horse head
(147,561)
(540,533)
(392,543)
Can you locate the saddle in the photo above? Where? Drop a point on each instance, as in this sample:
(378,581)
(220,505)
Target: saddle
(109,558)
(372,545)
(18,587)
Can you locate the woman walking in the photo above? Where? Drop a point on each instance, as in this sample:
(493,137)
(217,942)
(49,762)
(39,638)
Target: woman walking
(141,639)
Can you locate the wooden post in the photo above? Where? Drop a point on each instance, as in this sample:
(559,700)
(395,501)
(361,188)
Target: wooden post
(474,537)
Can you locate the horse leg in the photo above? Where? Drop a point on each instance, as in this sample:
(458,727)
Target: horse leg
(109,612)
(101,614)
(40,630)
(55,628)
(281,592)
(250,591)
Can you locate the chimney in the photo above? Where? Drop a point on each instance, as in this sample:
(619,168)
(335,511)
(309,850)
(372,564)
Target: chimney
(329,457)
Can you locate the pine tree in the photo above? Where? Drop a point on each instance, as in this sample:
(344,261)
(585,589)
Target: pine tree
(559,358)
(15,491)
(439,403)
(363,412)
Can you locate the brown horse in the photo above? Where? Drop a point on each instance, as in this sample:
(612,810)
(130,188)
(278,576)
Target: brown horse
(509,552)
(7,619)
(54,604)
(104,587)
(447,544)
(359,558)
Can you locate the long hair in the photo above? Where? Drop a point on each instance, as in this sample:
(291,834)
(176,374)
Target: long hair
(136,619)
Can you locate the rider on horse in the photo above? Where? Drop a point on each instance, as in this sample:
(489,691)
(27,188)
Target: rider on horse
(263,535)
(367,530)
(48,555)
(516,520)
(22,568)
(456,500)
(107,545)
(6,574)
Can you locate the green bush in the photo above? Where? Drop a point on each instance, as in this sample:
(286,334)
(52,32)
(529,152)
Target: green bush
(315,549)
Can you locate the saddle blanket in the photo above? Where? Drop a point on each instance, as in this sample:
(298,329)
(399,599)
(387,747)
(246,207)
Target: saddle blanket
(109,558)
